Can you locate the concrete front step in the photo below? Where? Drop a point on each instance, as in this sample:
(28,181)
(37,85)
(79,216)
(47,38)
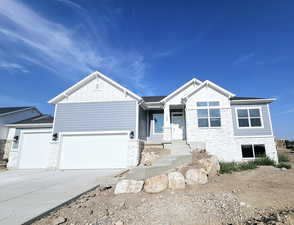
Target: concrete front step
(163,165)
(3,164)
(178,148)
(155,145)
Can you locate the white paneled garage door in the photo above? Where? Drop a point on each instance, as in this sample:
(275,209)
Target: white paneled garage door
(34,150)
(93,151)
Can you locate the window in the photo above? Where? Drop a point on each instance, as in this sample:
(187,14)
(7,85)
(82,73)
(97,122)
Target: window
(253,151)
(208,114)
(158,123)
(249,117)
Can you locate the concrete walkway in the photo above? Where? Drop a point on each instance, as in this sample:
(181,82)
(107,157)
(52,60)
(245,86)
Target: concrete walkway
(25,194)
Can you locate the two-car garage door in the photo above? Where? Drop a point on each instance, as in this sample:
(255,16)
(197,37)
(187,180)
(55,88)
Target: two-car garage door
(78,151)
(93,151)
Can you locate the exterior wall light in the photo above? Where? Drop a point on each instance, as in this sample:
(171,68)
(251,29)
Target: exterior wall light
(132,135)
(55,137)
(15,138)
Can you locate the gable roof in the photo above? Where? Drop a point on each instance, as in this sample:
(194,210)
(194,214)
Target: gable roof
(183,87)
(153,98)
(7,110)
(212,85)
(85,81)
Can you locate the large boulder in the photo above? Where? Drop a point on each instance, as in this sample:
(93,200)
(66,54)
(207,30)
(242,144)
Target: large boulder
(196,176)
(156,184)
(128,186)
(210,165)
(176,181)
(148,158)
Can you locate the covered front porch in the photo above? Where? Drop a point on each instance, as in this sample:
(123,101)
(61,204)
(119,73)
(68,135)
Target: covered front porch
(166,124)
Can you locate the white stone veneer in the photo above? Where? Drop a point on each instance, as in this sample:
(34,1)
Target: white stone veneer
(135,148)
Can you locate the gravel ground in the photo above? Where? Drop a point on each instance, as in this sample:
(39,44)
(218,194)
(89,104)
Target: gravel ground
(181,207)
(261,196)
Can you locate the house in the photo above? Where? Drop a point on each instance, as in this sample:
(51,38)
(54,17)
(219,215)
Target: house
(12,115)
(98,123)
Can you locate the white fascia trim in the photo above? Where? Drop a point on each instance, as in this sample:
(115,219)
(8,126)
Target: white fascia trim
(226,92)
(34,131)
(214,86)
(183,87)
(270,118)
(137,121)
(20,110)
(253,101)
(152,105)
(96,132)
(85,81)
(33,125)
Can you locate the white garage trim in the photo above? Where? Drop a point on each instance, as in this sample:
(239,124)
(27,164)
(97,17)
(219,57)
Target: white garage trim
(22,133)
(63,134)
(96,132)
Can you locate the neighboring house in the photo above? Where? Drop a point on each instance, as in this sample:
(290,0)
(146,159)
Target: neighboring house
(100,124)
(12,115)
(30,142)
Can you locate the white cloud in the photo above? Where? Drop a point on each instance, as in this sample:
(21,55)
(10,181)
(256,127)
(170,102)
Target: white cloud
(163,54)
(243,58)
(12,67)
(69,52)
(288,111)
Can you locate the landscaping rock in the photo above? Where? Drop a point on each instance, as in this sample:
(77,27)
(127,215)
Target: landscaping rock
(210,165)
(119,222)
(156,184)
(196,176)
(148,158)
(59,220)
(198,154)
(128,186)
(176,181)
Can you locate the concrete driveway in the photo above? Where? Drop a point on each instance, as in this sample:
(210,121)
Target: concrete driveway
(25,194)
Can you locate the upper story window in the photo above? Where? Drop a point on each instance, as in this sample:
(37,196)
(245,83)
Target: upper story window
(250,117)
(208,114)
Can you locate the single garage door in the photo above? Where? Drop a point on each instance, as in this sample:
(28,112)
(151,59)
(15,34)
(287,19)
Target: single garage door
(34,150)
(93,151)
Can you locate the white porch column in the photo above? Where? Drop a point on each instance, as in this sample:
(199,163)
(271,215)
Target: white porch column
(166,124)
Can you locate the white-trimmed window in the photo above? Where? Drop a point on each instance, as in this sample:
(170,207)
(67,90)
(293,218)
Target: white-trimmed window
(253,151)
(208,114)
(249,117)
(158,123)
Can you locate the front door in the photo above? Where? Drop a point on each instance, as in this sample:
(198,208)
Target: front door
(178,125)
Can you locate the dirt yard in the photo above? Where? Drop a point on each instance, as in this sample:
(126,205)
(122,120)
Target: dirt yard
(261,196)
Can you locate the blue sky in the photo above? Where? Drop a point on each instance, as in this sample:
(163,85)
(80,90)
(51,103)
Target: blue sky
(151,47)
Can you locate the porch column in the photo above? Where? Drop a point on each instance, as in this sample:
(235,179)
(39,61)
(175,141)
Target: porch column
(166,124)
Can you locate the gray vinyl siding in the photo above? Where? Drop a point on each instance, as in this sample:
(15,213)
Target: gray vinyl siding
(266,130)
(142,123)
(95,116)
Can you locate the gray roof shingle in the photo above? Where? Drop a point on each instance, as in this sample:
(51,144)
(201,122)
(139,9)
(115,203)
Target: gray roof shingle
(37,120)
(153,98)
(244,98)
(12,109)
